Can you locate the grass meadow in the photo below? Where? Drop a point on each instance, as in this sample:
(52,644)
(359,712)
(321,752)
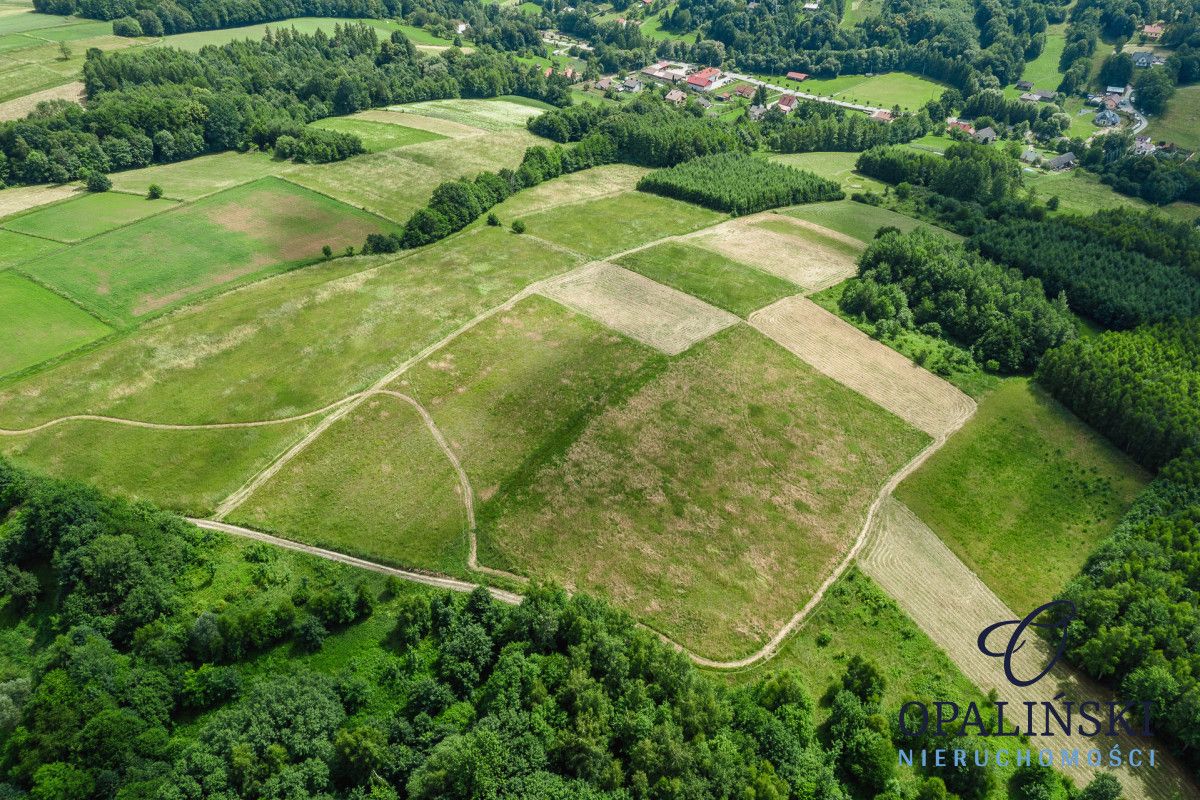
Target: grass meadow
(197,39)
(1181,123)
(85,216)
(858,219)
(717,280)
(712,501)
(17,248)
(832,166)
(36,324)
(377,136)
(1023,493)
(885,90)
(199,177)
(151,265)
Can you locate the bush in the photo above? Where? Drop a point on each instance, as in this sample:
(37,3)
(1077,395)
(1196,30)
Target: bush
(518,226)
(128,27)
(493,220)
(327,251)
(98,182)
(154,192)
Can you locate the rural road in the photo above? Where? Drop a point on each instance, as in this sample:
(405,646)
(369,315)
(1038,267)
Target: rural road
(804,95)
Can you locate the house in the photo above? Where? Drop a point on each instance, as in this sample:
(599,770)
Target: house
(798,76)
(1106,119)
(677,97)
(1152,31)
(1025,86)
(604,84)
(745,90)
(723,97)
(704,79)
(1143,146)
(546,73)
(986,136)
(1110,101)
(1143,59)
(958,125)
(1030,97)
(703,101)
(1030,156)
(631,84)
(1065,161)
(1045,96)
(756,112)
(883,116)
(569,74)
(786,103)
(1117,90)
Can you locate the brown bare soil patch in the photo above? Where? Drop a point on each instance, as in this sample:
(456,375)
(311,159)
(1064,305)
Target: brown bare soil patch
(806,263)
(874,370)
(664,318)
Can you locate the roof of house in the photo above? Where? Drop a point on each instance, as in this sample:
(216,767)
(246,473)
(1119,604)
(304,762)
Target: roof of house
(812,6)
(958,124)
(1030,97)
(1114,90)
(604,83)
(1042,94)
(676,96)
(756,112)
(1152,30)
(988,133)
(1107,118)
(798,76)
(1143,57)
(1030,156)
(1024,84)
(745,90)
(787,102)
(883,115)
(704,78)
(1058,162)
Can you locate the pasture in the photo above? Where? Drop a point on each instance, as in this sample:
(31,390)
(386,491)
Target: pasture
(159,262)
(884,90)
(17,248)
(1181,123)
(85,216)
(570,189)
(377,136)
(711,503)
(834,166)
(495,114)
(801,253)
(1024,476)
(36,324)
(858,220)
(1043,70)
(199,177)
(710,276)
(198,39)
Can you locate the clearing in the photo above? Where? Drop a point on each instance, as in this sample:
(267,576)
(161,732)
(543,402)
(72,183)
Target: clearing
(838,349)
(86,216)
(161,261)
(712,502)
(36,324)
(664,318)
(1181,123)
(377,136)
(835,166)
(1023,476)
(859,220)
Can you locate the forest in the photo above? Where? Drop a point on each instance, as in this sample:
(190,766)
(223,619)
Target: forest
(739,183)
(924,281)
(968,171)
(1139,388)
(158,105)
(1115,287)
(136,681)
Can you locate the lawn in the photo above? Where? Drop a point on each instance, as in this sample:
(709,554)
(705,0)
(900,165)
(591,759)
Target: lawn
(600,228)
(36,324)
(858,219)
(885,90)
(713,501)
(159,262)
(709,276)
(1181,123)
(652,27)
(292,343)
(187,471)
(86,216)
(376,485)
(198,177)
(377,136)
(1023,493)
(17,248)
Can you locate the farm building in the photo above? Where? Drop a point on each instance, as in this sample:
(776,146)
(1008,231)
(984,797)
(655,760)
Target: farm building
(604,84)
(798,76)
(1030,97)
(745,90)
(1117,90)
(631,84)
(883,116)
(1025,86)
(812,6)
(1152,31)
(1030,156)
(1065,161)
(953,124)
(1044,96)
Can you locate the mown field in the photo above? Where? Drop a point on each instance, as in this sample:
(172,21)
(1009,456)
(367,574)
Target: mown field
(857,219)
(711,503)
(85,216)
(197,39)
(885,90)
(38,324)
(1023,493)
(377,136)
(1181,123)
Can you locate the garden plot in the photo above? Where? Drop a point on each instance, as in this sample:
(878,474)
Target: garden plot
(808,258)
(664,318)
(846,354)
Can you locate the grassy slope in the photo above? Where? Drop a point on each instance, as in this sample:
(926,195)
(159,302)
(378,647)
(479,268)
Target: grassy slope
(834,166)
(36,324)
(199,177)
(859,220)
(709,276)
(86,216)
(377,136)
(1181,123)
(1023,493)
(712,502)
(887,89)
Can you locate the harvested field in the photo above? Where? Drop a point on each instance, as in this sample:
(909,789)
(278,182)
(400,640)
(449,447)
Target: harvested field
(397,115)
(490,115)
(664,318)
(21,106)
(23,198)
(912,565)
(767,242)
(846,354)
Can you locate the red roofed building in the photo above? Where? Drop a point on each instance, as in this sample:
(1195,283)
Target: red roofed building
(959,125)
(1152,31)
(549,71)
(704,79)
(883,116)
(745,90)
(798,76)
(787,103)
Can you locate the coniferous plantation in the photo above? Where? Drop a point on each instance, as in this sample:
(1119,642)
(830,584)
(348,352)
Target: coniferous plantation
(739,183)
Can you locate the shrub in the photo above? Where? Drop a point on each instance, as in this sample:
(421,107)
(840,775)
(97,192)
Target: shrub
(98,182)
(128,27)
(493,220)
(518,226)
(154,192)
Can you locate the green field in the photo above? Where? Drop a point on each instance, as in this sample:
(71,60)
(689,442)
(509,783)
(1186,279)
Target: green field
(32,62)
(36,324)
(159,262)
(1023,493)
(885,90)
(834,166)
(713,501)
(1181,123)
(377,136)
(197,39)
(652,27)
(17,248)
(1079,191)
(858,219)
(726,284)
(85,216)
(1043,70)
(600,228)
(198,177)
(289,344)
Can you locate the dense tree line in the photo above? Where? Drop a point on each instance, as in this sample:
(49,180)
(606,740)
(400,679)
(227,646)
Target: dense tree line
(1117,288)
(966,172)
(179,16)
(157,105)
(923,280)
(1152,234)
(739,183)
(1139,388)
(1138,598)
(137,685)
(845,132)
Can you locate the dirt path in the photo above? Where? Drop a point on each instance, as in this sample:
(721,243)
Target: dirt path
(915,567)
